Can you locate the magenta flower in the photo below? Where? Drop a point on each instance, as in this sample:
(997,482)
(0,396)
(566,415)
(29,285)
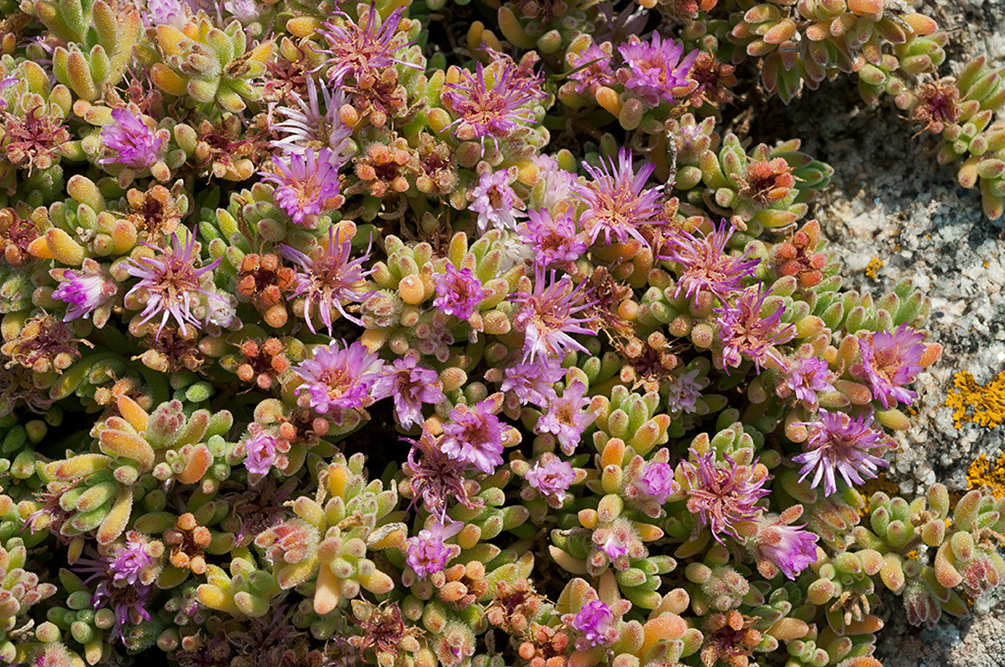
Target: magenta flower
(657,481)
(426,553)
(617,200)
(261,454)
(744,332)
(305,184)
(338,379)
(838,443)
(495,112)
(495,202)
(410,385)
(722,495)
(789,548)
(129,563)
(548,316)
(84,292)
(474,435)
(592,68)
(567,418)
(459,292)
(437,478)
(551,477)
(130,142)
(533,382)
(685,390)
(806,377)
(704,265)
(594,622)
(655,70)
(171,286)
(890,361)
(329,280)
(555,239)
(356,49)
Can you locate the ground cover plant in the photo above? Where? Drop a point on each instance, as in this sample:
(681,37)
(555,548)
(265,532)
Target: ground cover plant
(450,333)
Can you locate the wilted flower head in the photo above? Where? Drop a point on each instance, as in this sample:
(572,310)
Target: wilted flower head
(654,71)
(173,286)
(551,476)
(491,103)
(838,443)
(458,292)
(130,142)
(705,266)
(617,200)
(305,184)
(474,435)
(329,280)
(495,202)
(339,378)
(745,333)
(438,478)
(356,49)
(685,390)
(567,417)
(410,385)
(426,553)
(720,495)
(548,316)
(890,361)
(555,239)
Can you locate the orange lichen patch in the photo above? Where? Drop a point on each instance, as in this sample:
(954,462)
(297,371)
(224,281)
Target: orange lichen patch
(987,402)
(984,473)
(875,264)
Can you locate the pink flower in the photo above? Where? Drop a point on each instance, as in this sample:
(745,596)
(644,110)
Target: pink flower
(555,239)
(685,390)
(308,127)
(617,200)
(329,280)
(789,548)
(84,291)
(305,184)
(356,49)
(594,622)
(657,481)
(890,361)
(722,495)
(548,316)
(410,385)
(566,417)
(458,292)
(592,68)
(427,554)
(838,443)
(130,142)
(171,286)
(494,111)
(744,332)
(338,379)
(495,202)
(704,265)
(551,476)
(474,435)
(261,453)
(533,382)
(806,377)
(654,71)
